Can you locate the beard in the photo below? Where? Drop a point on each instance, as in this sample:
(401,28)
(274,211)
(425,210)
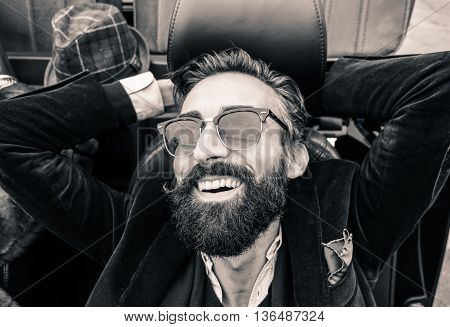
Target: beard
(227,228)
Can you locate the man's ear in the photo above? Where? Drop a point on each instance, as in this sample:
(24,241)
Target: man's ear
(298,159)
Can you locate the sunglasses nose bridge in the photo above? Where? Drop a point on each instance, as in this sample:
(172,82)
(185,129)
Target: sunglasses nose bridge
(209,145)
(209,133)
(205,122)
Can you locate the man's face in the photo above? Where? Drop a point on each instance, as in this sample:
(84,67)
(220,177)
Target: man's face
(209,98)
(224,199)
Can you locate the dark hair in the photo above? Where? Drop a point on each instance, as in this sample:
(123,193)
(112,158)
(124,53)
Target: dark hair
(238,60)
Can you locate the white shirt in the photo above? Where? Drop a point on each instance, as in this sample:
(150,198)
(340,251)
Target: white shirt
(264,280)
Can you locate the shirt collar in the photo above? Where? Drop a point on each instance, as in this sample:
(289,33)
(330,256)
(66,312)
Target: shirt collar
(265,277)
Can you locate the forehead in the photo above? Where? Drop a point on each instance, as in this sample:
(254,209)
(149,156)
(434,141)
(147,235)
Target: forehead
(222,90)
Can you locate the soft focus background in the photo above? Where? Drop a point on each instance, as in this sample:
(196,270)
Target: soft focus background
(429,31)
(429,28)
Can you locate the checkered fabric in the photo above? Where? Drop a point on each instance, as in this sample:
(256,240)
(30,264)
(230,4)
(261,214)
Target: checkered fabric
(94,37)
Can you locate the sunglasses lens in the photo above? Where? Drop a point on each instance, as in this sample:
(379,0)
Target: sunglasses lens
(181,137)
(240,130)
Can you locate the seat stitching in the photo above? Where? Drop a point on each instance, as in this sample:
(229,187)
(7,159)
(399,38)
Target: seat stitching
(330,12)
(172,28)
(322,43)
(405,24)
(358,24)
(366,22)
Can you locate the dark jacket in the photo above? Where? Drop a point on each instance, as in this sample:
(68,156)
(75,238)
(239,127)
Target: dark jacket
(379,202)
(36,265)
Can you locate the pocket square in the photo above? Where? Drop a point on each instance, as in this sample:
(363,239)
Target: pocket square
(338,255)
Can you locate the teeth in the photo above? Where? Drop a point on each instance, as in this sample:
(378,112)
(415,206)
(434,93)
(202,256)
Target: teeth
(218,183)
(215,184)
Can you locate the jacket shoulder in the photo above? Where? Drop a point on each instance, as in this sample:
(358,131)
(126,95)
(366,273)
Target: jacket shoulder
(335,168)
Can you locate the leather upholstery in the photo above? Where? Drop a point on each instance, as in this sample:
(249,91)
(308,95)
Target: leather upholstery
(289,34)
(366,27)
(354,27)
(294,45)
(152,19)
(318,146)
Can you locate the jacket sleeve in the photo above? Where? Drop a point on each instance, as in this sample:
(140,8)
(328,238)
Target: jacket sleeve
(408,163)
(48,185)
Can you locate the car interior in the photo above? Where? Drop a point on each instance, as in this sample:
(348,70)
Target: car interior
(302,38)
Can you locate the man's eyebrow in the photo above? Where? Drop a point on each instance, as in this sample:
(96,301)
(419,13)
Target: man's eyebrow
(227,108)
(196,114)
(193,114)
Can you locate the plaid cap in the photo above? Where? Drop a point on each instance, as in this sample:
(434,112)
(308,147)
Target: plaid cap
(95,37)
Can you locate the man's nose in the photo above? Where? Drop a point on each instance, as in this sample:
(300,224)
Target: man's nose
(209,146)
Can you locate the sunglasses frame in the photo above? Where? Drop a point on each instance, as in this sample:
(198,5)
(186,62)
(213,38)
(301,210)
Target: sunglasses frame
(263,113)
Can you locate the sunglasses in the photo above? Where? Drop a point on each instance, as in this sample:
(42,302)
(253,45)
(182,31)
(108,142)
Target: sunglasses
(238,129)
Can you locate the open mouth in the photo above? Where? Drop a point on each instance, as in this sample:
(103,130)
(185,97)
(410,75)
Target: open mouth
(215,185)
(218,187)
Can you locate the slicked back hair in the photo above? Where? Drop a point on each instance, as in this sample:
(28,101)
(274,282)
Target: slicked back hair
(238,60)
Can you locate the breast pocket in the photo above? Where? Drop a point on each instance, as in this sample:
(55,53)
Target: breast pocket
(346,292)
(342,280)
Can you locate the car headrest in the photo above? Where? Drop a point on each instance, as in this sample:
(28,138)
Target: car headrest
(291,35)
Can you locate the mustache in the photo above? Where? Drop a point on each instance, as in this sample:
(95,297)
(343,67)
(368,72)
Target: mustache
(217,168)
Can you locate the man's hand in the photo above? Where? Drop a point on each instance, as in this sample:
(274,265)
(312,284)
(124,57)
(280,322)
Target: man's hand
(145,95)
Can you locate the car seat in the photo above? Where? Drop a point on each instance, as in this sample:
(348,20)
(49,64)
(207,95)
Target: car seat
(292,36)
(295,45)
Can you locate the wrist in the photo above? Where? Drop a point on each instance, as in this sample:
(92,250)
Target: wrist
(7,80)
(144,94)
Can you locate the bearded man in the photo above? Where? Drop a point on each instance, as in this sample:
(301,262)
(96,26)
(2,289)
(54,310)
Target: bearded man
(247,220)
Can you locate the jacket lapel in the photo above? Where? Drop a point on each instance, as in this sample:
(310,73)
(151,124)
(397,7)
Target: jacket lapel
(165,256)
(304,237)
(148,255)
(157,270)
